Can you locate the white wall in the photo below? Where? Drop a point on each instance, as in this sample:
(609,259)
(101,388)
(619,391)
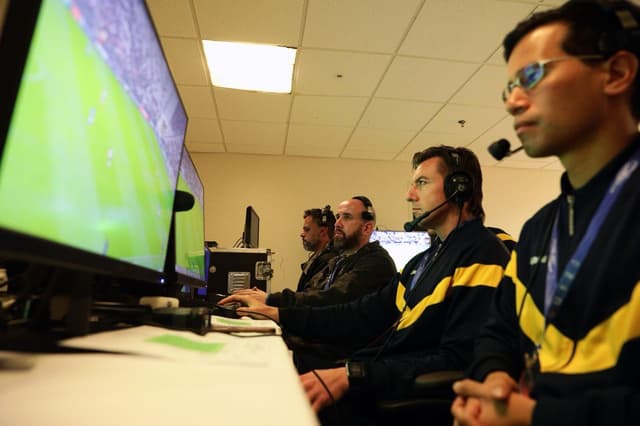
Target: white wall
(281,188)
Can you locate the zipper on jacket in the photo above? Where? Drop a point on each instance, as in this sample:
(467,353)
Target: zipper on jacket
(570,201)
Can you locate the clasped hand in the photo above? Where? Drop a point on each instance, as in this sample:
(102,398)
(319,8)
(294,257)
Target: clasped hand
(494,402)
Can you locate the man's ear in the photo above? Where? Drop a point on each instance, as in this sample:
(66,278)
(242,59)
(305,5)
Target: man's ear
(622,69)
(324,232)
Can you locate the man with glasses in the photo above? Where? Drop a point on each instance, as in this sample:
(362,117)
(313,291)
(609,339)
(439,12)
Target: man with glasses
(563,341)
(426,320)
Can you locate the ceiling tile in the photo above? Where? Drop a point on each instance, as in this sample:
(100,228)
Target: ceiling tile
(173,18)
(368,154)
(255,149)
(251,133)
(317,73)
(426,139)
(397,114)
(362,25)
(252,106)
(198,101)
(476,120)
(484,88)
(329,110)
(203,130)
(256,21)
(357,93)
(383,140)
(205,147)
(424,79)
(464,30)
(327,141)
(185,61)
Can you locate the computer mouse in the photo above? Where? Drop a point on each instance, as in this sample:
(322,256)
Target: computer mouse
(232,306)
(227,310)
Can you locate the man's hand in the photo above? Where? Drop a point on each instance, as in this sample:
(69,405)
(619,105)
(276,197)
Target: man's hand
(336,381)
(252,307)
(254,292)
(494,402)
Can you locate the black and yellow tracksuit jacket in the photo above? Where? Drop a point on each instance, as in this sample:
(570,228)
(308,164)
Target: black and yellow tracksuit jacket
(429,328)
(589,358)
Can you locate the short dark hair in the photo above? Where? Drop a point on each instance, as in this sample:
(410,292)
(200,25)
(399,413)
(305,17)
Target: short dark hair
(324,218)
(466,161)
(594,29)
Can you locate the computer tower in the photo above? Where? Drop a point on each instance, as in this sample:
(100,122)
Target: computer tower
(238,268)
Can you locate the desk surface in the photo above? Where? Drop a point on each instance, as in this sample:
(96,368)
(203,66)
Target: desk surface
(177,379)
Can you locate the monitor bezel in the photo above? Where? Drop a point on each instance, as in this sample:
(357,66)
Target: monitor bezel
(251,223)
(180,277)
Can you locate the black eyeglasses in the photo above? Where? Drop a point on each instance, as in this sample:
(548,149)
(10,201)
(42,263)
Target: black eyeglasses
(530,75)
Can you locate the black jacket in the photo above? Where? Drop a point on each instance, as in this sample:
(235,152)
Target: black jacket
(588,372)
(430,328)
(318,263)
(365,271)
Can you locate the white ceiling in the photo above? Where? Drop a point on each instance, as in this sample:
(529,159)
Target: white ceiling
(374,79)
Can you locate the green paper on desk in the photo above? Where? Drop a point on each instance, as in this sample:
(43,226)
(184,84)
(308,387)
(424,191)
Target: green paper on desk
(188,344)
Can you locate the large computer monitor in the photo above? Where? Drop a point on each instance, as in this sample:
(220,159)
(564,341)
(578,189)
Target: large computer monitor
(189,228)
(251,234)
(90,149)
(401,245)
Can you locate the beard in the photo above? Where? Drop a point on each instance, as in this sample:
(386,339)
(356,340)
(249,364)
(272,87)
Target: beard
(309,245)
(346,242)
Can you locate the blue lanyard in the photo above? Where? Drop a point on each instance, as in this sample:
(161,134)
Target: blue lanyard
(425,263)
(334,271)
(555,292)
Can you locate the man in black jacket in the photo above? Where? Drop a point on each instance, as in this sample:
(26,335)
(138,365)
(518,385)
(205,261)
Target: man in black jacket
(317,237)
(423,322)
(562,344)
(361,267)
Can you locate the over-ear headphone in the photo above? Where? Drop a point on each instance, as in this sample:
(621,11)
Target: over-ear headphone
(458,185)
(627,37)
(369,213)
(327,218)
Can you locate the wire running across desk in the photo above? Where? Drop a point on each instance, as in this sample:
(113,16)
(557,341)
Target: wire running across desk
(168,377)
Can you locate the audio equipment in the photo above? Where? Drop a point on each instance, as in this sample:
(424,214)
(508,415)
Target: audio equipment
(502,148)
(627,37)
(183,201)
(458,185)
(369,213)
(410,226)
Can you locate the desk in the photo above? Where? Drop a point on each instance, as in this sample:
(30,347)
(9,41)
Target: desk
(188,387)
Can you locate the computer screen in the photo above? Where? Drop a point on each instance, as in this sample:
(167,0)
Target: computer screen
(90,150)
(189,227)
(251,235)
(401,245)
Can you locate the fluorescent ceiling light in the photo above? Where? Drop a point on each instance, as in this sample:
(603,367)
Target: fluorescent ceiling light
(247,66)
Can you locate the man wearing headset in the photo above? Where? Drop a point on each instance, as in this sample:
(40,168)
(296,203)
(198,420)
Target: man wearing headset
(361,267)
(563,341)
(317,235)
(425,321)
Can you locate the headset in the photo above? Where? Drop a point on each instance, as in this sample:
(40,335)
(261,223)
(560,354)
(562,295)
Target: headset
(327,218)
(369,213)
(627,37)
(458,185)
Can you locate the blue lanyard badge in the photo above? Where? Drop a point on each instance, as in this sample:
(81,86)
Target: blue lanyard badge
(555,292)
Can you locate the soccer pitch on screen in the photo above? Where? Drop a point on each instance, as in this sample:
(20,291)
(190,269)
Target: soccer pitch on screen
(82,166)
(190,237)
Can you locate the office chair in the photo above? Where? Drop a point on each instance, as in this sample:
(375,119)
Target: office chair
(432,398)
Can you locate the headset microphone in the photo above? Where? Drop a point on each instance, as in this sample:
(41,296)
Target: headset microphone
(410,226)
(502,148)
